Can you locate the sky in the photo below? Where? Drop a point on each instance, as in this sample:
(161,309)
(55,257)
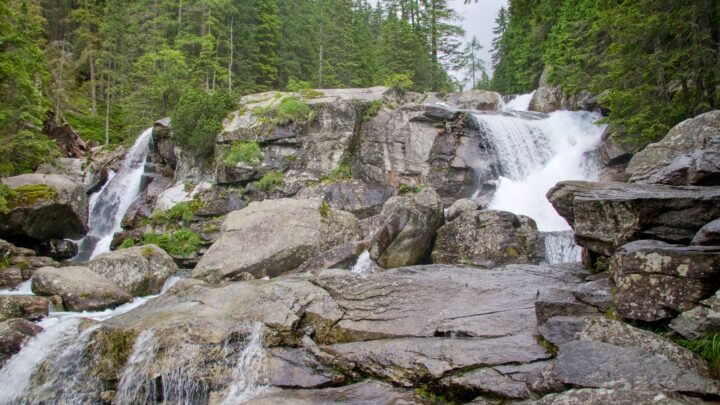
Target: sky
(479,20)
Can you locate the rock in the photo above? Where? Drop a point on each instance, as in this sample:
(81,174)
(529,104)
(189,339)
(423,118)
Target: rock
(699,321)
(80,288)
(591,364)
(619,396)
(366,392)
(358,198)
(613,152)
(547,99)
(408,361)
(482,100)
(67,139)
(559,302)
(10,277)
(30,307)
(688,155)
(656,280)
(217,201)
(605,216)
(163,146)
(461,206)
(507,382)
(297,368)
(597,293)
(272,237)
(140,270)
(59,248)
(14,333)
(408,231)
(487,239)
(45,207)
(561,329)
(339,257)
(708,235)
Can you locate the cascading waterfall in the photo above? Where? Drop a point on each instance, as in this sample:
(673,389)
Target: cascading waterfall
(135,387)
(109,205)
(561,248)
(248,369)
(535,153)
(364,264)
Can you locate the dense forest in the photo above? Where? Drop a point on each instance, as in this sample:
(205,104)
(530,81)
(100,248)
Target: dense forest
(655,62)
(111,67)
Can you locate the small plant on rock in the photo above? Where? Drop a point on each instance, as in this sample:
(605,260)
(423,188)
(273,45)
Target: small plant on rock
(270,181)
(244,152)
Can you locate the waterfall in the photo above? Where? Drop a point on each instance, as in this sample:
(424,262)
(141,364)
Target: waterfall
(247,371)
(561,248)
(136,386)
(364,264)
(535,153)
(109,205)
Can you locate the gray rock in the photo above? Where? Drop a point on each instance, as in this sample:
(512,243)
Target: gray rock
(58,248)
(547,99)
(560,302)
(14,333)
(29,307)
(358,198)
(605,216)
(688,155)
(619,396)
(273,237)
(80,288)
(507,382)
(461,206)
(408,361)
(140,270)
(591,364)
(487,239)
(58,211)
(366,392)
(613,152)
(339,257)
(656,280)
(699,321)
(708,235)
(561,329)
(597,293)
(297,368)
(482,100)
(217,201)
(408,230)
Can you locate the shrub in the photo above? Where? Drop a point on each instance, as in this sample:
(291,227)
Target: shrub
(292,110)
(408,189)
(197,119)
(399,81)
(372,110)
(342,172)
(298,85)
(270,181)
(707,347)
(246,152)
(180,212)
(179,243)
(6,193)
(127,243)
(24,151)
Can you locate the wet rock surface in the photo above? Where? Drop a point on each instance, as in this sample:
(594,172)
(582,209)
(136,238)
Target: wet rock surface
(14,333)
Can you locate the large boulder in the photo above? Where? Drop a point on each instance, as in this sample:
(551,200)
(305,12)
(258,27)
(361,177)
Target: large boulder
(408,230)
(605,216)
(80,288)
(547,99)
(272,237)
(14,333)
(482,100)
(44,207)
(688,155)
(140,270)
(359,198)
(487,239)
(656,280)
(30,307)
(708,235)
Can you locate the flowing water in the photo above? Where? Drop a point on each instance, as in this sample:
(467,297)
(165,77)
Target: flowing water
(248,369)
(109,205)
(535,152)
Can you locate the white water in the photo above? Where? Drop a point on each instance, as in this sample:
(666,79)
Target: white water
(248,370)
(519,103)
(135,386)
(24,288)
(364,264)
(537,154)
(561,248)
(108,208)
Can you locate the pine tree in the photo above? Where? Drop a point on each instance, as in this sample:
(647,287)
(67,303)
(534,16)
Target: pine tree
(267,37)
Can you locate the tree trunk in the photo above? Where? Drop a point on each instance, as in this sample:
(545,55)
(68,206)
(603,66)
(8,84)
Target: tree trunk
(93,95)
(179,17)
(230,62)
(320,66)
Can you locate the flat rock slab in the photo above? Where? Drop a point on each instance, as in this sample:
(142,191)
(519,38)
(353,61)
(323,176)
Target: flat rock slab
(605,216)
(656,280)
(508,382)
(30,307)
(80,288)
(407,361)
(366,392)
(617,397)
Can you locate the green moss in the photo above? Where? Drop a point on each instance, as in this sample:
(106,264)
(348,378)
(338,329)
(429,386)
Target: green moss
(324,210)
(372,110)
(4,262)
(309,94)
(211,228)
(147,251)
(290,158)
(432,396)
(180,212)
(6,193)
(512,252)
(183,242)
(245,152)
(270,181)
(707,347)
(113,347)
(547,345)
(292,110)
(189,187)
(610,314)
(29,195)
(23,265)
(408,189)
(127,243)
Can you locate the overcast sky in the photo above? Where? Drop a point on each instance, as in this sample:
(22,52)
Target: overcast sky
(479,20)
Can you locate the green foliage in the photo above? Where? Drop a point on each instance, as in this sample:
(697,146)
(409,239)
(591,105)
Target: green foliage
(341,172)
(28,195)
(197,119)
(707,347)
(324,210)
(409,189)
(179,212)
(270,181)
(372,110)
(127,243)
(6,193)
(183,242)
(298,85)
(245,152)
(292,110)
(399,81)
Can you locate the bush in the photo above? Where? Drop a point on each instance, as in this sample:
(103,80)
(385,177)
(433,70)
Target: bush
(372,110)
(127,243)
(179,243)
(25,151)
(197,119)
(180,212)
(292,110)
(270,181)
(342,172)
(246,152)
(399,81)
(298,85)
(6,193)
